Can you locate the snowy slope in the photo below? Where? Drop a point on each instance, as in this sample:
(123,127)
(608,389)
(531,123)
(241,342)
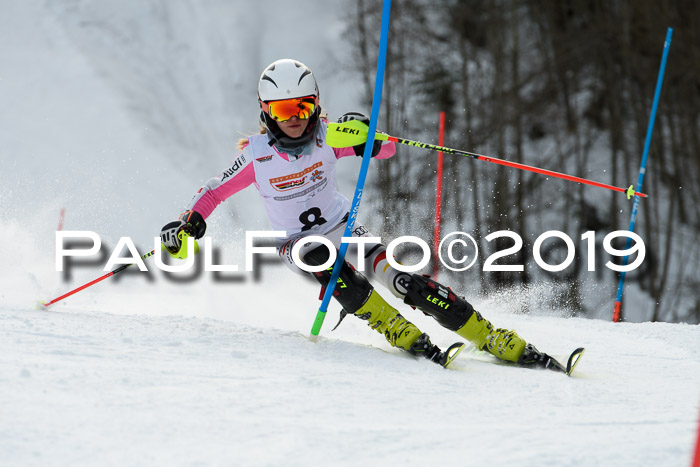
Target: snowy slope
(140,370)
(81,387)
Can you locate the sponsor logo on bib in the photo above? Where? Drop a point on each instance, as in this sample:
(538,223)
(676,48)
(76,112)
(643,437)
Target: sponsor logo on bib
(299,179)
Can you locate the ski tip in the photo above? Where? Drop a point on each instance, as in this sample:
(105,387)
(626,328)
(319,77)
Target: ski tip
(41,305)
(573,360)
(452,352)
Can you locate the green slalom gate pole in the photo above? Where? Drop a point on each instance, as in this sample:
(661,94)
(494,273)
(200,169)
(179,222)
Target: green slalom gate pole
(366,157)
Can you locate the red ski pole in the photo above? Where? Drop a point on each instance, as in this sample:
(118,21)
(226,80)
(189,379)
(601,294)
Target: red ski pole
(351,133)
(180,254)
(93,282)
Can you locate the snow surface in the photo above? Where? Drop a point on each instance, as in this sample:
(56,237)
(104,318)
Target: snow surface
(141,370)
(85,387)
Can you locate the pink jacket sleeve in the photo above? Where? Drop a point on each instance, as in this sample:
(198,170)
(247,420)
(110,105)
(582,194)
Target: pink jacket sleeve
(237,177)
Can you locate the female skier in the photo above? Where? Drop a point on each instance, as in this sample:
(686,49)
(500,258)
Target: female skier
(294,171)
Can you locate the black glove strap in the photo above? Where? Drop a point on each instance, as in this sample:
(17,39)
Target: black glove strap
(194,223)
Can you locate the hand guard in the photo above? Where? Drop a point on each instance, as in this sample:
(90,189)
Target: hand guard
(360,148)
(190,221)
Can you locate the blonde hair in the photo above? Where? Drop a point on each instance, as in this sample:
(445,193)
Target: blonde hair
(243,142)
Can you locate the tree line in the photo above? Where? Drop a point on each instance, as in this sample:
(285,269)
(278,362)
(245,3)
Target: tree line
(563,85)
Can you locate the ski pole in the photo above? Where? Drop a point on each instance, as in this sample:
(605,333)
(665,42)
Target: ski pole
(93,282)
(366,157)
(642,169)
(348,134)
(181,254)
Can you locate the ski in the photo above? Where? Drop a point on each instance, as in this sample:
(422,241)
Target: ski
(449,355)
(544,361)
(573,360)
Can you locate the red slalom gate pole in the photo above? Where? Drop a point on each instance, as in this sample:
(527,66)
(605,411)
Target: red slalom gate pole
(438,197)
(696,456)
(61,216)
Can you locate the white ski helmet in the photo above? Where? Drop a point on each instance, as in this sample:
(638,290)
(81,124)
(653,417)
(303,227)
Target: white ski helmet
(288,79)
(285,79)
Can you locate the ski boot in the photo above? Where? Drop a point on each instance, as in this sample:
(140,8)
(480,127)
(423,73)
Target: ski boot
(385,319)
(501,343)
(400,332)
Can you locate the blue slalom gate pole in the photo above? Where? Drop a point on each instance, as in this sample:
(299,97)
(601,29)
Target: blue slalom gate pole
(366,157)
(642,170)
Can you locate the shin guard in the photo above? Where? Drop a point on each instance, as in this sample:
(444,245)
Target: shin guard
(438,301)
(352,289)
(456,314)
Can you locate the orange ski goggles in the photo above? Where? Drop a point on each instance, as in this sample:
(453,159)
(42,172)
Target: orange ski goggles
(283,110)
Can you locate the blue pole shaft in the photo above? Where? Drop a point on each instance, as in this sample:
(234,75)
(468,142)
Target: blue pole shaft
(366,157)
(642,169)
